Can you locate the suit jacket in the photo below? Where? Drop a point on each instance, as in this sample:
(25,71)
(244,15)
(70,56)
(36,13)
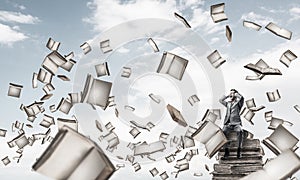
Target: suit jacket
(233,117)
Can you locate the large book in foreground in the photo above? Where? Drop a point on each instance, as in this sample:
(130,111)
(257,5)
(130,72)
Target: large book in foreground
(281,167)
(211,136)
(73,156)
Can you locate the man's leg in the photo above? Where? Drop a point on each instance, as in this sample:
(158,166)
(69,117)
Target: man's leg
(226,130)
(238,129)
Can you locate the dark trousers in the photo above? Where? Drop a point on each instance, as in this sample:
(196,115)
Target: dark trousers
(235,128)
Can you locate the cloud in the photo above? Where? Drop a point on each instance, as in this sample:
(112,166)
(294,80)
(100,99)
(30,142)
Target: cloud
(17,17)
(119,12)
(295,13)
(257,18)
(9,35)
(104,17)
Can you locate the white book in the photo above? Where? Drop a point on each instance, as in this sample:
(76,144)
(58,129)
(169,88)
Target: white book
(250,103)
(68,65)
(261,67)
(228,33)
(251,25)
(287,57)
(34,80)
(146,149)
(217,12)
(73,156)
(281,167)
(154,98)
(105,46)
(72,123)
(47,121)
(102,69)
(176,115)
(52,45)
(44,76)
(297,107)
(96,92)
(172,65)
(14,90)
(126,72)
(85,47)
(210,116)
(281,32)
(273,96)
(193,99)
(64,106)
(182,19)
(280,140)
(215,59)
(3,132)
(63,77)
(248,115)
(211,136)
(153,45)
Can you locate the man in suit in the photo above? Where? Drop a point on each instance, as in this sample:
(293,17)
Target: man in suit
(232,122)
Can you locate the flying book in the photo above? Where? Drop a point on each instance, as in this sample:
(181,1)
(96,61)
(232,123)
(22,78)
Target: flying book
(252,106)
(85,47)
(71,123)
(96,92)
(182,19)
(275,122)
(228,33)
(215,59)
(193,99)
(281,167)
(105,46)
(248,115)
(281,32)
(211,136)
(126,72)
(172,65)
(145,148)
(251,25)
(176,115)
(287,57)
(73,156)
(102,69)
(262,68)
(210,116)
(280,140)
(153,45)
(14,90)
(52,45)
(273,96)
(44,76)
(154,98)
(297,107)
(217,12)
(53,61)
(34,80)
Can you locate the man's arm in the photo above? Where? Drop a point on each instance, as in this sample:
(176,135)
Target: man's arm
(222,100)
(240,99)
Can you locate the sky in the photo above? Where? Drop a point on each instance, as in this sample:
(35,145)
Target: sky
(26,26)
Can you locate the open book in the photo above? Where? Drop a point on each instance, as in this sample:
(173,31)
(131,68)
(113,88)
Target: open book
(215,59)
(173,65)
(211,136)
(263,68)
(287,57)
(217,12)
(281,167)
(280,140)
(281,32)
(251,25)
(73,156)
(96,92)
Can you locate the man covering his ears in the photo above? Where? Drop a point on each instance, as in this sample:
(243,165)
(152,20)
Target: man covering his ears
(232,122)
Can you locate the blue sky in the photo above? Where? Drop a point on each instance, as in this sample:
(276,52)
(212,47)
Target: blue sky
(26,25)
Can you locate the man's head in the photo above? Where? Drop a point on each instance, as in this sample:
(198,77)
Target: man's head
(232,94)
